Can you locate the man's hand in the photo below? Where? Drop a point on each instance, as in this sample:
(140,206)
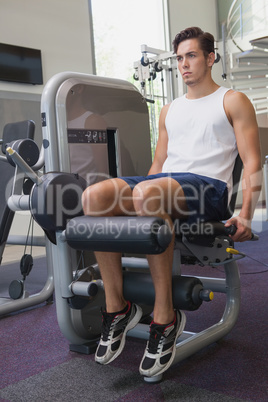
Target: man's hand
(243,225)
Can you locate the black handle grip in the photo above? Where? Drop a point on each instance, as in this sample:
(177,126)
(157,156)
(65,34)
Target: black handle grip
(231,230)
(254,237)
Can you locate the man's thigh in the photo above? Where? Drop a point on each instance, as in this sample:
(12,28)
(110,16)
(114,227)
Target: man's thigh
(160,194)
(185,195)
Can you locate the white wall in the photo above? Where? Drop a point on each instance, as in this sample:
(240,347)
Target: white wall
(193,13)
(60,28)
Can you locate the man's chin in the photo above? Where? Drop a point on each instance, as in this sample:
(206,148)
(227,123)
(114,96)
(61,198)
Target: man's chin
(189,82)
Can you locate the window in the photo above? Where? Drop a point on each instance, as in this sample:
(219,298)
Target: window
(120,28)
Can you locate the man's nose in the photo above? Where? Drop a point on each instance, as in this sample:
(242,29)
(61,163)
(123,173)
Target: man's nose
(184,63)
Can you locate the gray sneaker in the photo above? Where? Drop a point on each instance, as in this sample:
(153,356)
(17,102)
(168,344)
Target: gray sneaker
(161,347)
(114,329)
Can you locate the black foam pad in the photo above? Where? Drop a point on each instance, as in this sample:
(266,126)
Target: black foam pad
(57,199)
(145,235)
(139,288)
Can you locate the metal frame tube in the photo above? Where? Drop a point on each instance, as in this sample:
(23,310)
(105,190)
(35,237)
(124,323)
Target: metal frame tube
(63,277)
(32,300)
(216,332)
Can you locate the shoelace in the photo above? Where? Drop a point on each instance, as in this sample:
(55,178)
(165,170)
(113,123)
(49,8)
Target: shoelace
(107,321)
(155,340)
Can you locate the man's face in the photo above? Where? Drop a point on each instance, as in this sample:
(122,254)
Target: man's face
(192,64)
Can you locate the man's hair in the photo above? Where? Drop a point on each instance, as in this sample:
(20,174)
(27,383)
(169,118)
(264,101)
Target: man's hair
(206,40)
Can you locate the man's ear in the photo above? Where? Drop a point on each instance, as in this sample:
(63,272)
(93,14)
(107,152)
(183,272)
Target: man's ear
(211,59)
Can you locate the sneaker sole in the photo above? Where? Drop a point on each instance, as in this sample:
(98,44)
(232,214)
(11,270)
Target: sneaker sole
(135,320)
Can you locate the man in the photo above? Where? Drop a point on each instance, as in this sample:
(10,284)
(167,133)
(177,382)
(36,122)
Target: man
(199,137)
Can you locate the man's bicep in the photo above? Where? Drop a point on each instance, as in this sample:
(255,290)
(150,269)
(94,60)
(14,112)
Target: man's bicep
(246,129)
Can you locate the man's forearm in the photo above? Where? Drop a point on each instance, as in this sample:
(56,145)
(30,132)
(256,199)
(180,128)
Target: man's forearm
(251,187)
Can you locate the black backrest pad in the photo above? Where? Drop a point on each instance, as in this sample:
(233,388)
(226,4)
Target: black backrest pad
(17,131)
(236,179)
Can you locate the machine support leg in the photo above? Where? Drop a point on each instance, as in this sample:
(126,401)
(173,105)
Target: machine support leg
(214,333)
(63,277)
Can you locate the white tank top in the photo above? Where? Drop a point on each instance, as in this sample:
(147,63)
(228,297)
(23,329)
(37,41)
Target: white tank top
(201,139)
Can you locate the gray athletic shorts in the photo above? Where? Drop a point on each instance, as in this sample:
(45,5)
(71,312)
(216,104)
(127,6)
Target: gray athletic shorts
(206,198)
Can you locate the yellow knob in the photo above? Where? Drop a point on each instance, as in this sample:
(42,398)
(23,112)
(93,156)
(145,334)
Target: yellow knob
(211,295)
(10,151)
(232,251)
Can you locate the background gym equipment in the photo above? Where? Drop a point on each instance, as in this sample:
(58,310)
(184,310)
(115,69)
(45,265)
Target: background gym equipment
(20,136)
(78,287)
(160,82)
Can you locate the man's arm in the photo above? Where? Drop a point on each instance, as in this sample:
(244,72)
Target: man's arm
(242,116)
(162,144)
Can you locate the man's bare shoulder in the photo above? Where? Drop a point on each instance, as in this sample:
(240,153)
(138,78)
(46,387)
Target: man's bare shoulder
(166,107)
(236,102)
(164,110)
(235,98)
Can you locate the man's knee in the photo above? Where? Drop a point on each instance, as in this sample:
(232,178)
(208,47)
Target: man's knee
(108,198)
(89,199)
(148,198)
(98,198)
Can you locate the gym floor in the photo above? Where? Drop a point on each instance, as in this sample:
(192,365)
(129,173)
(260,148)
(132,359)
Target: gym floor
(37,363)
